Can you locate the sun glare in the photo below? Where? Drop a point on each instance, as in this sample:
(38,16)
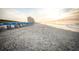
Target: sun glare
(55,14)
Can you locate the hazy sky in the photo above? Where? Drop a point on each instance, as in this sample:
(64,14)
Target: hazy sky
(37,13)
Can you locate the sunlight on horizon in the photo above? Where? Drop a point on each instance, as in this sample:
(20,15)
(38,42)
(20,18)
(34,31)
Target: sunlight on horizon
(55,14)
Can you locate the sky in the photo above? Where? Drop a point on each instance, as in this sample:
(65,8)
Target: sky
(21,14)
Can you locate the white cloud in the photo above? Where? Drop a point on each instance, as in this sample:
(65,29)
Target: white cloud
(11,14)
